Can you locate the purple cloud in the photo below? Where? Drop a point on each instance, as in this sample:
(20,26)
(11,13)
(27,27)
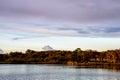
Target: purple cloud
(59,18)
(77,11)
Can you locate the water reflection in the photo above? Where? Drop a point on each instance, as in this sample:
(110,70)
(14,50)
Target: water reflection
(109,67)
(57,72)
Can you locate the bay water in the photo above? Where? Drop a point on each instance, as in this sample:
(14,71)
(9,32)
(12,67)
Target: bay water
(55,72)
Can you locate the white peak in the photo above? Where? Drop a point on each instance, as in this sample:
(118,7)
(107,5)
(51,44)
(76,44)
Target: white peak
(47,48)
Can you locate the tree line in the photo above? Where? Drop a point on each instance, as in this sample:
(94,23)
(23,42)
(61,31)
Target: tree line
(77,56)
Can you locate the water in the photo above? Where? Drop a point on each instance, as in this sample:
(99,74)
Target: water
(55,72)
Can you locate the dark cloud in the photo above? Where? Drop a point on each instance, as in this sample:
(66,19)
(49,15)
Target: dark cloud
(93,31)
(78,30)
(112,30)
(105,29)
(23,37)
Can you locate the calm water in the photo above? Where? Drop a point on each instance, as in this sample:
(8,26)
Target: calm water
(55,72)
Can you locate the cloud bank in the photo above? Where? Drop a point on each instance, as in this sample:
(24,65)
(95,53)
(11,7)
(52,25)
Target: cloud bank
(80,10)
(41,18)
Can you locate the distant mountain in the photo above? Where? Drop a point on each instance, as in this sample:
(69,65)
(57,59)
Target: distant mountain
(1,51)
(47,48)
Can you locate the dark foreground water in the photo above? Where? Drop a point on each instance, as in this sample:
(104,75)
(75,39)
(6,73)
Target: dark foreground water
(55,72)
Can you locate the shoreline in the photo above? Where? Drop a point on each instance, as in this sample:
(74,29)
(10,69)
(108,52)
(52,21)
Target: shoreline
(111,66)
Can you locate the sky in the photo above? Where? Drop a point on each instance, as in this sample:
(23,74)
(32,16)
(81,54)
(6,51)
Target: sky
(62,24)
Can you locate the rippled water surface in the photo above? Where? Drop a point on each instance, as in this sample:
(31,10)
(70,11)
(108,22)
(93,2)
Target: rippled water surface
(55,72)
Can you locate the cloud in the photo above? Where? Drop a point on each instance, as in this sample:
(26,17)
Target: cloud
(25,19)
(112,30)
(77,11)
(28,31)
